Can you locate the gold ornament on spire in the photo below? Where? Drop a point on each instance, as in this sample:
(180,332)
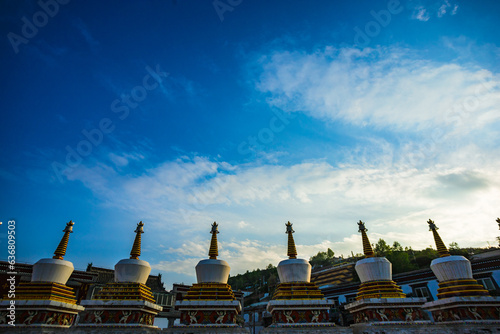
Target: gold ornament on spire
(61,249)
(367,247)
(441,248)
(213,252)
(292,251)
(136,248)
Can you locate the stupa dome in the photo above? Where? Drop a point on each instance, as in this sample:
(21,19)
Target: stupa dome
(375,273)
(55,269)
(133,270)
(212,270)
(452,267)
(293,269)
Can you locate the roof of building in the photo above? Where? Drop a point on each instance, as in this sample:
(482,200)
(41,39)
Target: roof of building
(486,255)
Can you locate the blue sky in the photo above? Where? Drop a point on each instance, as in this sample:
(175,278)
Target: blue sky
(249,113)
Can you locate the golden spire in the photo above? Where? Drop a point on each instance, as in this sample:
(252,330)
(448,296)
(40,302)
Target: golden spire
(292,251)
(441,248)
(367,247)
(213,252)
(136,248)
(61,249)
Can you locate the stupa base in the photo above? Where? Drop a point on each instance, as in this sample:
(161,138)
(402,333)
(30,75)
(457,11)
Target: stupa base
(379,289)
(118,313)
(465,309)
(299,312)
(125,291)
(213,313)
(388,310)
(38,313)
(297,290)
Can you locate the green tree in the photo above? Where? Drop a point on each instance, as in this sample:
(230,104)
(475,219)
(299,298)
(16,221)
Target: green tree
(322,258)
(454,249)
(424,257)
(382,248)
(396,247)
(400,262)
(399,257)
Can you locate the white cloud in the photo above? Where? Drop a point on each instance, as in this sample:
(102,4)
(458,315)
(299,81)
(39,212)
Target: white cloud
(423,9)
(323,201)
(123,159)
(443,8)
(383,88)
(422,14)
(242,224)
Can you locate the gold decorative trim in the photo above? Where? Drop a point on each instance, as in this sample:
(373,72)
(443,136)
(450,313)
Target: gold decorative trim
(297,290)
(292,251)
(213,251)
(63,244)
(45,291)
(136,247)
(125,291)
(210,291)
(380,289)
(367,247)
(441,248)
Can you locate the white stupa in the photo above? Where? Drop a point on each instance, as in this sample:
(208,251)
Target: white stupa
(210,302)
(213,270)
(461,299)
(454,272)
(293,269)
(127,302)
(55,269)
(133,270)
(46,301)
(297,301)
(380,299)
(375,273)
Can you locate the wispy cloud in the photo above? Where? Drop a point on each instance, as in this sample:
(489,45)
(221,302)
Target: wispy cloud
(383,88)
(179,199)
(421,14)
(422,10)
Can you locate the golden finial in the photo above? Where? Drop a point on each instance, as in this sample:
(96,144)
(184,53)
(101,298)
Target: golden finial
(136,248)
(367,247)
(441,248)
(61,249)
(292,251)
(213,252)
